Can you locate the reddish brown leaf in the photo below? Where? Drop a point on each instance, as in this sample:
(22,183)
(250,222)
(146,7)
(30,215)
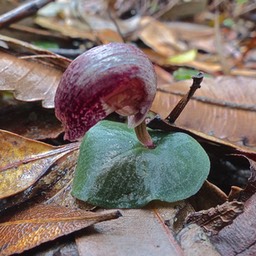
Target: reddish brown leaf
(39,224)
(224,107)
(212,144)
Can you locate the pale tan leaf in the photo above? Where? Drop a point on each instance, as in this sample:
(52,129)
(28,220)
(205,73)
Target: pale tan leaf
(139,232)
(159,37)
(194,241)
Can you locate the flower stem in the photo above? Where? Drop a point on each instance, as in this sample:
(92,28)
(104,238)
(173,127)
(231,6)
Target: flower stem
(143,135)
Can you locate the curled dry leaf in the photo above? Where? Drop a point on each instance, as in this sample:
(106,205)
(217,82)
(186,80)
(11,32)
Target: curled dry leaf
(31,73)
(224,107)
(25,161)
(214,219)
(194,241)
(239,238)
(41,223)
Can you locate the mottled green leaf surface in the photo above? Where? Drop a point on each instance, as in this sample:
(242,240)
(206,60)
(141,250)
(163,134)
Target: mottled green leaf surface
(115,170)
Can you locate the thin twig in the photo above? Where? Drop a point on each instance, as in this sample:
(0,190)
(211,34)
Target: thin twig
(158,14)
(219,45)
(246,9)
(166,9)
(115,24)
(22,12)
(183,102)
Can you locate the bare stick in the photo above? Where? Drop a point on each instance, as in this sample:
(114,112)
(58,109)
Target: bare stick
(22,12)
(115,24)
(185,99)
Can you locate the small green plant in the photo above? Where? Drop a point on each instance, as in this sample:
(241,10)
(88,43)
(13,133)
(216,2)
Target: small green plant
(118,167)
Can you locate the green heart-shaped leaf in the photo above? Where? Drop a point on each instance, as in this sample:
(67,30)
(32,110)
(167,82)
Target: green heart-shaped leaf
(115,170)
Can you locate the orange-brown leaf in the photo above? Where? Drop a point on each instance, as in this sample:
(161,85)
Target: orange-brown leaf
(23,161)
(224,107)
(38,224)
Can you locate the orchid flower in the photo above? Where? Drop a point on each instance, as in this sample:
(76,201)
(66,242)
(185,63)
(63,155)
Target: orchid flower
(115,77)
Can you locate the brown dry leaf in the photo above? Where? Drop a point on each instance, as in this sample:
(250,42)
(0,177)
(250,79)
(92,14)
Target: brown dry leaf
(159,37)
(85,19)
(208,196)
(25,161)
(201,63)
(239,238)
(31,73)
(224,107)
(212,144)
(108,35)
(41,223)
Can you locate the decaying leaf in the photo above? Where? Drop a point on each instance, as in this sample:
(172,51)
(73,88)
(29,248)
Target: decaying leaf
(239,238)
(53,187)
(30,227)
(194,241)
(31,73)
(25,161)
(224,107)
(215,219)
